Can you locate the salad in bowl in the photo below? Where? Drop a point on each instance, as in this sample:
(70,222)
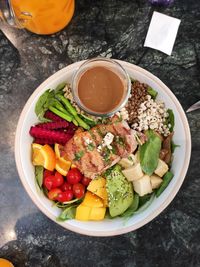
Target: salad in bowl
(94,171)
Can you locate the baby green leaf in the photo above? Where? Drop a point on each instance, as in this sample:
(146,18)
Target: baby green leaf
(149,153)
(68,213)
(39,175)
(153,93)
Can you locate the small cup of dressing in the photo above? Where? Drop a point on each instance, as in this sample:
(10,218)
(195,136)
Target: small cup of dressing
(101,87)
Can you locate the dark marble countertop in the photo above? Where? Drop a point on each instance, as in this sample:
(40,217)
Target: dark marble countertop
(114,29)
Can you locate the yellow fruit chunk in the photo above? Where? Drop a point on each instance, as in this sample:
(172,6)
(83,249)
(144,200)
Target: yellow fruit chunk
(37,157)
(98,187)
(62,166)
(5,263)
(105,202)
(82,213)
(97,214)
(43,156)
(92,200)
(60,151)
(73,166)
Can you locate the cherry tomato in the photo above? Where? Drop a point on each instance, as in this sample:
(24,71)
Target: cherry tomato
(53,193)
(65,196)
(53,181)
(58,180)
(48,182)
(66,186)
(85,181)
(47,173)
(78,190)
(74,176)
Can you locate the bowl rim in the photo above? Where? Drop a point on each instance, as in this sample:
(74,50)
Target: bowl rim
(151,216)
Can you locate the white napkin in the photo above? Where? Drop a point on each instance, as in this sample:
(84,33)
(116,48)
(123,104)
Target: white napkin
(162,32)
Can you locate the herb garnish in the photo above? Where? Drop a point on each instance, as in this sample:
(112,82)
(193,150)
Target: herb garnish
(92,134)
(106,154)
(120,140)
(79,155)
(90,147)
(130,158)
(99,132)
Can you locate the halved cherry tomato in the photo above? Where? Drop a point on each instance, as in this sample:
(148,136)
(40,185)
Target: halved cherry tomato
(65,196)
(47,173)
(78,190)
(74,176)
(53,181)
(85,181)
(53,193)
(66,186)
(58,180)
(48,182)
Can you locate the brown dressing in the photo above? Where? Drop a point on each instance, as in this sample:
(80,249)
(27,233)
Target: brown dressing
(100,89)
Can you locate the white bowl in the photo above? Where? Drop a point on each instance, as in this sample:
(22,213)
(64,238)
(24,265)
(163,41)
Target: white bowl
(106,227)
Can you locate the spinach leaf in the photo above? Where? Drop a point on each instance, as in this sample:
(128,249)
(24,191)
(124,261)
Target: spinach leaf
(59,88)
(173,146)
(39,175)
(153,93)
(166,180)
(145,202)
(144,199)
(68,213)
(149,153)
(170,119)
(133,207)
(108,216)
(40,107)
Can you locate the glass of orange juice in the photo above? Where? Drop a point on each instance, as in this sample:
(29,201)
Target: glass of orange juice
(38,16)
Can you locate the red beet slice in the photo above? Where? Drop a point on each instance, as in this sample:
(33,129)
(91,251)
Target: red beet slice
(53,125)
(50,135)
(51,116)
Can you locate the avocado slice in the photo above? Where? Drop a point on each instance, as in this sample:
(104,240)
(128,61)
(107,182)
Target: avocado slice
(120,191)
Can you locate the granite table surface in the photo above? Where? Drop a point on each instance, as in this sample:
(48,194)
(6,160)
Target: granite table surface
(114,29)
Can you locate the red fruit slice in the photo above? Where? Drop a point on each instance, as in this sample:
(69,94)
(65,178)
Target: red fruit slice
(50,135)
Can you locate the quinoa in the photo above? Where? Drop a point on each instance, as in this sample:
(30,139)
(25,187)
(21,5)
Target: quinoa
(152,115)
(137,96)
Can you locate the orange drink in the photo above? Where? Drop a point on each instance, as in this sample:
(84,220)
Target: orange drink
(43,16)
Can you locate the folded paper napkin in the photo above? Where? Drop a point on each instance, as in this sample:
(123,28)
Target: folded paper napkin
(162,32)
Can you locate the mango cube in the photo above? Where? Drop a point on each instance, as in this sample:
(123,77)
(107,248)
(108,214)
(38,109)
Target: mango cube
(98,187)
(92,200)
(97,214)
(82,213)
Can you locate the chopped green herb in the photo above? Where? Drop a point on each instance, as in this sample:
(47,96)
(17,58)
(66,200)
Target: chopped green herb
(92,134)
(106,154)
(120,140)
(119,119)
(114,150)
(99,132)
(130,158)
(91,147)
(79,155)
